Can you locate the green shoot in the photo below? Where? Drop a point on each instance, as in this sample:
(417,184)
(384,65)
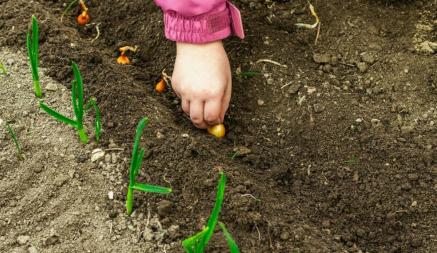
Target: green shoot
(231,242)
(135,166)
(250,74)
(33,47)
(15,140)
(78,108)
(198,242)
(3,69)
(68,8)
(234,155)
(353,160)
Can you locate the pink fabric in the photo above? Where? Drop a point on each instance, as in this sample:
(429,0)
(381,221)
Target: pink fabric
(200,21)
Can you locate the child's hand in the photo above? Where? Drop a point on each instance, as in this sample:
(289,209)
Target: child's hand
(202,79)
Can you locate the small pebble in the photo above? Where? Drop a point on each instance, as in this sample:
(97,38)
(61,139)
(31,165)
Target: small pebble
(368,58)
(318,108)
(285,236)
(111,195)
(97,154)
(294,88)
(362,66)
(242,150)
(32,249)
(375,122)
(159,135)
(321,58)
(51,86)
(23,239)
(260,102)
(164,207)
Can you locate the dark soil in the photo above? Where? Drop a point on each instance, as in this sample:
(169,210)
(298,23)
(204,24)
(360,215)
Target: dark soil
(343,145)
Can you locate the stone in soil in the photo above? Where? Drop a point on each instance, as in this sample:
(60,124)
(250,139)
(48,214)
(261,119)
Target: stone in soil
(242,150)
(362,66)
(321,58)
(318,108)
(164,207)
(32,249)
(368,58)
(23,239)
(97,154)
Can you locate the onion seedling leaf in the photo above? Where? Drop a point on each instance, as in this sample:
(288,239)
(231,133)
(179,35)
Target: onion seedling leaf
(231,242)
(14,139)
(57,115)
(151,188)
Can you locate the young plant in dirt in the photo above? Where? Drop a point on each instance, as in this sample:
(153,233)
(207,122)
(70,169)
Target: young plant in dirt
(123,59)
(3,70)
(135,166)
(84,17)
(78,107)
(15,140)
(198,242)
(33,50)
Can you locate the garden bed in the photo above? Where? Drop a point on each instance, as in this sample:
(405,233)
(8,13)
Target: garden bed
(337,149)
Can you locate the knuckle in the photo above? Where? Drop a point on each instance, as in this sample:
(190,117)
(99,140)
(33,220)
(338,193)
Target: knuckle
(196,119)
(211,117)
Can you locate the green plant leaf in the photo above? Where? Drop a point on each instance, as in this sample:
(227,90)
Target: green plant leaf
(250,74)
(76,109)
(3,69)
(134,160)
(68,8)
(231,242)
(97,121)
(191,244)
(57,115)
(213,219)
(35,40)
(14,139)
(151,188)
(78,92)
(212,222)
(32,49)
(139,161)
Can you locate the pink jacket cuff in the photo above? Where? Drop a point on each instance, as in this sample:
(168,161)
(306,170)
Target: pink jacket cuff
(212,26)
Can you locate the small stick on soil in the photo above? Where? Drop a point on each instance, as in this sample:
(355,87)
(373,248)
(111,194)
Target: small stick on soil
(272,62)
(250,195)
(318,33)
(98,33)
(285,85)
(114,149)
(259,234)
(312,26)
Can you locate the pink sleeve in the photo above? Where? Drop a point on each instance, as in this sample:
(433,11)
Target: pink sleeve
(191,8)
(200,21)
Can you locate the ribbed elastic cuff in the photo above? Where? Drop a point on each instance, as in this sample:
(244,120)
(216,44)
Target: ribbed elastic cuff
(199,29)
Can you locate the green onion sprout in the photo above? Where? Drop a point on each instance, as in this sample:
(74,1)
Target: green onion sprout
(78,108)
(135,166)
(3,69)
(68,8)
(15,140)
(198,242)
(32,47)
(231,242)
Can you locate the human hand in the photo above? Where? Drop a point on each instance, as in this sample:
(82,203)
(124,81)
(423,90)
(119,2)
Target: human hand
(202,79)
